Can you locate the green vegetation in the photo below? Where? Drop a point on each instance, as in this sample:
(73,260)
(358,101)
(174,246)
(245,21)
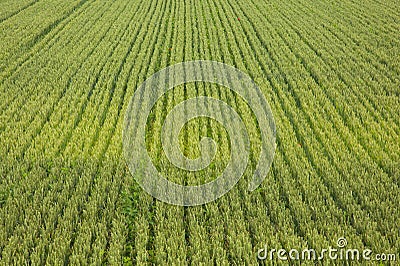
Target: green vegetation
(330,71)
